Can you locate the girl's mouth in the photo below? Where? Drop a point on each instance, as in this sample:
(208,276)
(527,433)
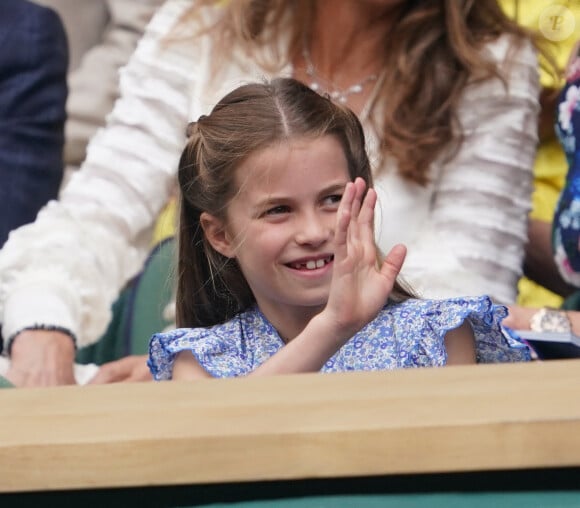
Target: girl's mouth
(311,264)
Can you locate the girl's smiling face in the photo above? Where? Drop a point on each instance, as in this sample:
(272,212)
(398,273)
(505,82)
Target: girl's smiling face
(280,225)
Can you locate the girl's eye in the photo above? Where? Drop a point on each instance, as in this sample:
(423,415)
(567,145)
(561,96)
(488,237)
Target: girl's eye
(277,210)
(333,199)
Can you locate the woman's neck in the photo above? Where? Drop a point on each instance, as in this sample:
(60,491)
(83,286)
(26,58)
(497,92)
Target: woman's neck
(343,53)
(351,45)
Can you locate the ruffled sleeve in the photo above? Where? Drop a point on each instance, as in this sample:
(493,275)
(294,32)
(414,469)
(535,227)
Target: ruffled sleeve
(492,345)
(216,349)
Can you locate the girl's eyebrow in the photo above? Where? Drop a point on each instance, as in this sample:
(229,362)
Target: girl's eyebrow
(337,187)
(273,199)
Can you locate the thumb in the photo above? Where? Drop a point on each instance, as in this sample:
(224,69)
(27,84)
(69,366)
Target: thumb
(393,262)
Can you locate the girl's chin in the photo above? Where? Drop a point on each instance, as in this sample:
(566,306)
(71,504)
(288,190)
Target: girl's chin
(314,305)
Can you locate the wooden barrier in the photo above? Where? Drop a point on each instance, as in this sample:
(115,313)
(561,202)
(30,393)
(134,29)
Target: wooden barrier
(451,419)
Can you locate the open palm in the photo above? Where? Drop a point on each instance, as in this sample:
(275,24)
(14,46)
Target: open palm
(360,286)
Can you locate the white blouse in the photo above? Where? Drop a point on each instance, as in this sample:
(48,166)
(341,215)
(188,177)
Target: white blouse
(465,231)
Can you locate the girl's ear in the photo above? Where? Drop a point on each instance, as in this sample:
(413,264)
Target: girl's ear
(216,234)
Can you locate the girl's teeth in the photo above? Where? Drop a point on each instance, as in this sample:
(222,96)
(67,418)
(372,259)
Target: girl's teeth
(311,265)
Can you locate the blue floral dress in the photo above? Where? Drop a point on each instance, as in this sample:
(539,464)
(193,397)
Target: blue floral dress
(407,334)
(566,224)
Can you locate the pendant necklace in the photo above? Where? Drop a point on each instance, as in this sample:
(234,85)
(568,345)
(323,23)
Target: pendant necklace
(335,94)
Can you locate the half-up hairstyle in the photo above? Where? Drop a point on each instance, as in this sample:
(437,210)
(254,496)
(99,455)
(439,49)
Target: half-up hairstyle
(211,288)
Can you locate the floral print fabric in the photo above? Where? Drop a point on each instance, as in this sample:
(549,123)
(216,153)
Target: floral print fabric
(566,225)
(407,334)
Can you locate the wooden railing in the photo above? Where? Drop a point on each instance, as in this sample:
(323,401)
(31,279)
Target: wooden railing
(291,427)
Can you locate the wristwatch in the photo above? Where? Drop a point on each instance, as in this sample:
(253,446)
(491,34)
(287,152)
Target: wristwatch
(550,320)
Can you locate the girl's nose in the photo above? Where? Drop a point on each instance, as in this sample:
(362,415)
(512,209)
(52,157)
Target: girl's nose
(314,230)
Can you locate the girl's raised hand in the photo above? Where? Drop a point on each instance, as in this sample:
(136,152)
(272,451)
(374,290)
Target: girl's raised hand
(359,286)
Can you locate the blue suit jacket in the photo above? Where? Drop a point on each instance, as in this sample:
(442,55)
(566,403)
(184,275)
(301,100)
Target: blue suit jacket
(33,92)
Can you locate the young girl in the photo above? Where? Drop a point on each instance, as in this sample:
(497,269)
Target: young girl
(446,90)
(278,267)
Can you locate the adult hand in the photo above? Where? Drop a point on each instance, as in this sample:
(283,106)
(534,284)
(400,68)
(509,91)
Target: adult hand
(360,286)
(129,369)
(41,358)
(519,317)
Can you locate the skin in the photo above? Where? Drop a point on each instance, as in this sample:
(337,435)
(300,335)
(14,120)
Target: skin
(539,263)
(276,220)
(43,358)
(128,369)
(519,318)
(276,223)
(351,47)
(352,44)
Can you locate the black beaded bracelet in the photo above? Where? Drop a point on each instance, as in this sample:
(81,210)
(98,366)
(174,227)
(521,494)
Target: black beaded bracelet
(47,328)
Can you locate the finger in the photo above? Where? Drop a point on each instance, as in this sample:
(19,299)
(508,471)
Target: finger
(367,212)
(359,186)
(353,229)
(394,262)
(139,376)
(366,221)
(107,373)
(343,215)
(112,372)
(120,370)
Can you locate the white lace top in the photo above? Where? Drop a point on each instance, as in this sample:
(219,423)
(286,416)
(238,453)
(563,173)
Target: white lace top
(465,231)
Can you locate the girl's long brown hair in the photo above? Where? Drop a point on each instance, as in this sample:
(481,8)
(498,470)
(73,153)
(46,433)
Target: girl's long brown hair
(432,52)
(210,287)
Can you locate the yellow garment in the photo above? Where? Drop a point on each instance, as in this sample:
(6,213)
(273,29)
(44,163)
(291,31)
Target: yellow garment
(166,223)
(554,19)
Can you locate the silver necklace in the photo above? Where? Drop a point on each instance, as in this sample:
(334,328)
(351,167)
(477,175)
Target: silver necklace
(335,94)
